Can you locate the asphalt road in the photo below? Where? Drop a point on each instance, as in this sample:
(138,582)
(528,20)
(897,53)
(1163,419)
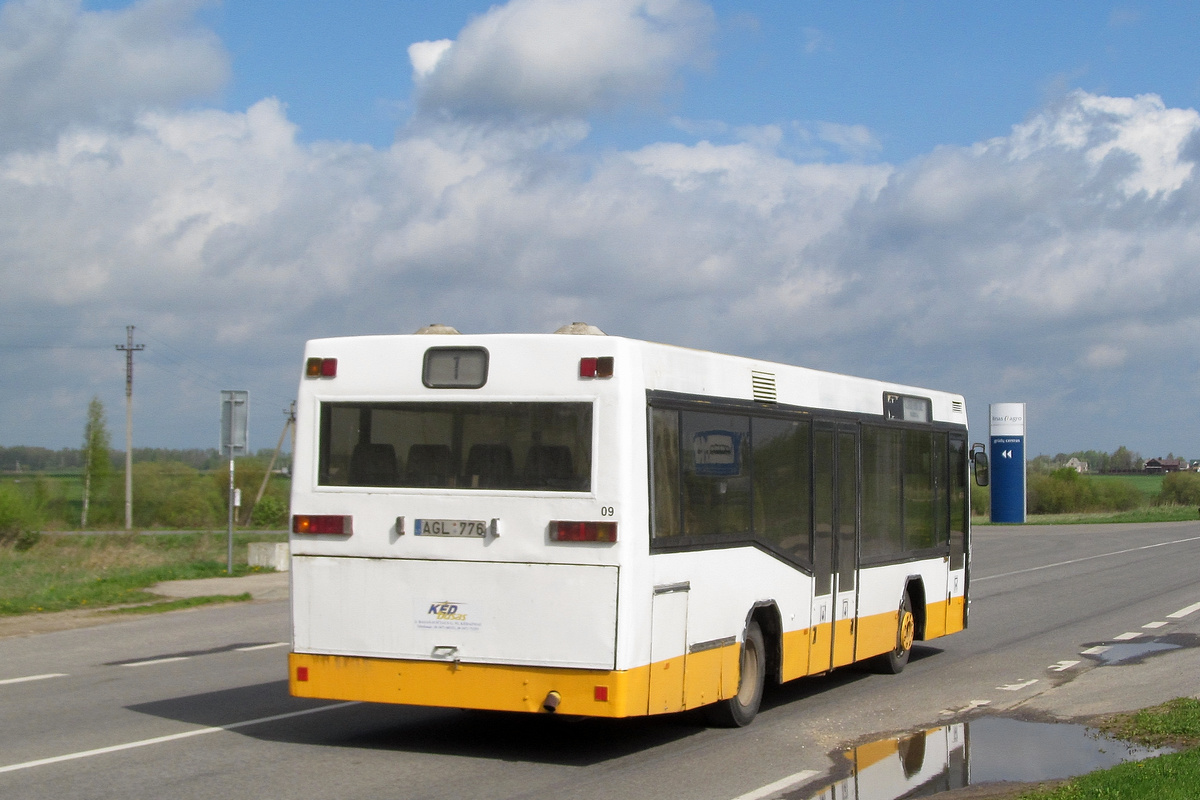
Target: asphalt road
(194,704)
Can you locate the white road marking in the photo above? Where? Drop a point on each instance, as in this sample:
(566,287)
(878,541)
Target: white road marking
(33,678)
(155,661)
(1016,687)
(778,787)
(252,648)
(1125,637)
(1095,651)
(1182,613)
(1155,624)
(974,704)
(1062,666)
(41,762)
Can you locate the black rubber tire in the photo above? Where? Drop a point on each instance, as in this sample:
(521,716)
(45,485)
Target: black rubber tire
(740,710)
(893,663)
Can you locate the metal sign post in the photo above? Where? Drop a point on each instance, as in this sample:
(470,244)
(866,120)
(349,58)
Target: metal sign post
(1008,462)
(235,440)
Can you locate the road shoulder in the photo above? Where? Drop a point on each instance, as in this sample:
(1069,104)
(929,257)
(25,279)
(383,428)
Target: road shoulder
(262,587)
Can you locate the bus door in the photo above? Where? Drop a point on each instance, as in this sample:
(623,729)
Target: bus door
(668,644)
(835,546)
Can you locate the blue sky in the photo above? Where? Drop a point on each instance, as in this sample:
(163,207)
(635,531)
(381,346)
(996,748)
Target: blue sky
(995,199)
(917,74)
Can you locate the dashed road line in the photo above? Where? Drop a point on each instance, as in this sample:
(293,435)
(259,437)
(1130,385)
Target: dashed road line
(28,678)
(779,786)
(1156,624)
(169,738)
(1063,666)
(1016,687)
(1095,651)
(1125,637)
(153,661)
(1183,612)
(254,647)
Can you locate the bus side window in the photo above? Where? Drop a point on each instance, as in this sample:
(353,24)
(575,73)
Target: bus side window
(664,433)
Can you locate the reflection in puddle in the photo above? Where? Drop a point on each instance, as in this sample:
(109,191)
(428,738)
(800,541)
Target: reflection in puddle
(985,750)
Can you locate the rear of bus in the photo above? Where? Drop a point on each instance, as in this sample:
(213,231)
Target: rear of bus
(458,526)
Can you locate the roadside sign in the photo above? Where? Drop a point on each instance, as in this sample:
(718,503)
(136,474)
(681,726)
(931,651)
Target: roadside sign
(235,423)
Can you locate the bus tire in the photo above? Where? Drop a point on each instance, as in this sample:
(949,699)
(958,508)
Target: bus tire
(740,710)
(893,663)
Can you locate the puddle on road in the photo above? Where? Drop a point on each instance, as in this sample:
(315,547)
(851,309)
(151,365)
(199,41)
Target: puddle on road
(984,750)
(1114,653)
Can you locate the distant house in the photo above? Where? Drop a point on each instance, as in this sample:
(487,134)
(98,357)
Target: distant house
(1077,465)
(1159,466)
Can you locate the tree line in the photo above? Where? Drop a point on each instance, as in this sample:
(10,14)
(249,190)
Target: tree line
(20,458)
(1120,460)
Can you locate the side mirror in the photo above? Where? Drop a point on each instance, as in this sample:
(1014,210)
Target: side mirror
(979,461)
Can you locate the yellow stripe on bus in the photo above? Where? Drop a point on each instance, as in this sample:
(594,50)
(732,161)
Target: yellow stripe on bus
(496,687)
(678,684)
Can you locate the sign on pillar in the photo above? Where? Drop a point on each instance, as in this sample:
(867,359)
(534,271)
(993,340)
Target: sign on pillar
(1008,462)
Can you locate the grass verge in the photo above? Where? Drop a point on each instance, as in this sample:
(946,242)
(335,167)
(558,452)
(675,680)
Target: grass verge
(183,602)
(1168,777)
(61,572)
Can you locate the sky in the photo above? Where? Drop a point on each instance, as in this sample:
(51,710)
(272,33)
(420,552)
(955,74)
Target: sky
(995,199)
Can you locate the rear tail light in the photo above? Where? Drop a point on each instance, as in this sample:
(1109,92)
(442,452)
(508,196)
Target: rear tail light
(322,523)
(583,531)
(600,367)
(320,368)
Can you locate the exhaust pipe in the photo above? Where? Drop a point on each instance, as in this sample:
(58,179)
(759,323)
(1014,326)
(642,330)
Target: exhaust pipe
(551,702)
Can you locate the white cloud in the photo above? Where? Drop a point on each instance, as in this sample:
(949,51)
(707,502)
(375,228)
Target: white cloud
(1138,136)
(1054,265)
(426,55)
(60,65)
(550,58)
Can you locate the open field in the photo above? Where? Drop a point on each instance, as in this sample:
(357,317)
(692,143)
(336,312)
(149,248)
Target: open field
(1148,485)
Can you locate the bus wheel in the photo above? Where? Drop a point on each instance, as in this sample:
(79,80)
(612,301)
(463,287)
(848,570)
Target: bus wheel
(741,709)
(894,662)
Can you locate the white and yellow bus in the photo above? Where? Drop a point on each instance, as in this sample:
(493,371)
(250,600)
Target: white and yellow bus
(602,526)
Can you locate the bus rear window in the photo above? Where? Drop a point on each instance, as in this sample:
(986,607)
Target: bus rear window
(530,446)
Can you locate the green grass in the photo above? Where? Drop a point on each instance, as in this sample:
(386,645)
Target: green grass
(1169,777)
(1143,514)
(61,572)
(1148,485)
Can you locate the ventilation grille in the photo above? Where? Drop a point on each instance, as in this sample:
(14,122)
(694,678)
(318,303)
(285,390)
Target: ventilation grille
(956,406)
(764,386)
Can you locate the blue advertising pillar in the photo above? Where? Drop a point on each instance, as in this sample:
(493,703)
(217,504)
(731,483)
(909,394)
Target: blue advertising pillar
(1008,462)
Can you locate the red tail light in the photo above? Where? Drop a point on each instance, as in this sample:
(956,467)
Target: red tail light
(320,368)
(600,367)
(322,523)
(583,531)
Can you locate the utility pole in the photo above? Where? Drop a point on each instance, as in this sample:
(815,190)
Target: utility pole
(289,424)
(129,348)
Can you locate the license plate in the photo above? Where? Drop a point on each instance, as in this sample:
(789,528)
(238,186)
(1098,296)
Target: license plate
(451,527)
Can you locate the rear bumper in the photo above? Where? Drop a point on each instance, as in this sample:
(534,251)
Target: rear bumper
(496,687)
